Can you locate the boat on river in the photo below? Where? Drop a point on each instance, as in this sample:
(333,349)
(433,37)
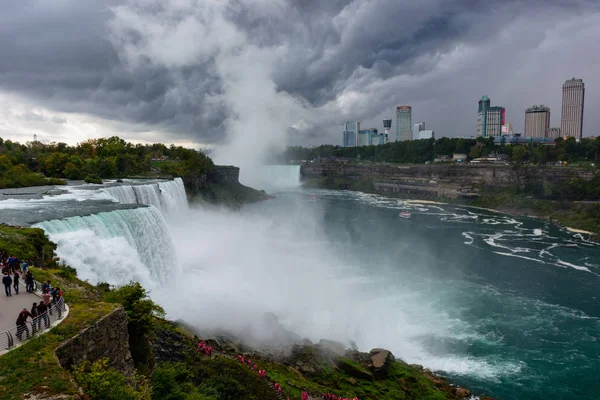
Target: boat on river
(404,214)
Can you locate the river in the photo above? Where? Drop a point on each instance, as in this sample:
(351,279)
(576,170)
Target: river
(503,305)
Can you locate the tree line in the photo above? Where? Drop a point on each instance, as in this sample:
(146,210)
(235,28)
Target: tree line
(35,163)
(421,151)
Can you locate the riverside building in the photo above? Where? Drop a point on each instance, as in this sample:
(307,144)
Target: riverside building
(537,122)
(489,119)
(403,123)
(571,120)
(350,134)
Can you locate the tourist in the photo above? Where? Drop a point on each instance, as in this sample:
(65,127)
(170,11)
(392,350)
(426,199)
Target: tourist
(24,267)
(34,316)
(42,310)
(29,281)
(46,285)
(56,297)
(22,323)
(46,297)
(16,282)
(7,280)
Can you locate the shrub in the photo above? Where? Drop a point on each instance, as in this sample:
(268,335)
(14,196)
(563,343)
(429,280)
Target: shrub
(100,381)
(93,178)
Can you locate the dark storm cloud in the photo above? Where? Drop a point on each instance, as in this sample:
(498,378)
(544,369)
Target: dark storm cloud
(59,55)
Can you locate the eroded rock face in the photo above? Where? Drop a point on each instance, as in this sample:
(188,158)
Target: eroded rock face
(107,338)
(380,362)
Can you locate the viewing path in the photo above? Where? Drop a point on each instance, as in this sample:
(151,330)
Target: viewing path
(10,307)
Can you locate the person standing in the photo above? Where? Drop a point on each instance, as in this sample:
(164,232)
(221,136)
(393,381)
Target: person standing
(22,323)
(16,282)
(46,298)
(29,281)
(42,310)
(34,316)
(7,280)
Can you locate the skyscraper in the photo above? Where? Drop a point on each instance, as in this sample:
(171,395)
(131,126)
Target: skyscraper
(537,122)
(403,123)
(489,119)
(571,120)
(350,134)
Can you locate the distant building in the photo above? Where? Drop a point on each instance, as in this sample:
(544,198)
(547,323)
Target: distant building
(537,121)
(571,120)
(350,134)
(459,157)
(418,127)
(523,140)
(387,126)
(426,135)
(489,119)
(403,123)
(553,133)
(366,137)
(507,129)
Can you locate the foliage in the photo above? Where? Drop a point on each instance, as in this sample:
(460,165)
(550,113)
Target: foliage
(93,178)
(100,381)
(35,163)
(174,381)
(28,244)
(421,151)
(142,313)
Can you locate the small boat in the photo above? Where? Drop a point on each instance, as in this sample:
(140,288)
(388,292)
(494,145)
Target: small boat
(313,198)
(570,245)
(404,214)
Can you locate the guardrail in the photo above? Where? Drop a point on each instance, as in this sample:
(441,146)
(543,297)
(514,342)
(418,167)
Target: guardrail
(19,334)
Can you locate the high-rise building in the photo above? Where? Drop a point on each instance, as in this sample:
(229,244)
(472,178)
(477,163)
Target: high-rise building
(387,127)
(403,123)
(489,119)
(553,133)
(571,120)
(350,134)
(367,136)
(537,121)
(417,128)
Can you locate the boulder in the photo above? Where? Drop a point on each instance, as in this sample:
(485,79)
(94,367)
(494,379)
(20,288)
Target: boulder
(463,393)
(380,362)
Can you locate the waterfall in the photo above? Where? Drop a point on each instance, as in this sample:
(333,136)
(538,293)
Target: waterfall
(117,246)
(166,196)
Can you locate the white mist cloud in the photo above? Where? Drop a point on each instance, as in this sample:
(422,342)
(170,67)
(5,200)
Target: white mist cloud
(188,33)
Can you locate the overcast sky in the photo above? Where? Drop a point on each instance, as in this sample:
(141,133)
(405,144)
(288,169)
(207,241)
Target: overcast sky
(208,72)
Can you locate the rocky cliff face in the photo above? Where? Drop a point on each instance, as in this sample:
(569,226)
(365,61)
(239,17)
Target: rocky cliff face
(440,180)
(106,338)
(221,186)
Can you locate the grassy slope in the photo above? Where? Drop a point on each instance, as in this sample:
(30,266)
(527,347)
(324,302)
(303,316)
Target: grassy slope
(33,368)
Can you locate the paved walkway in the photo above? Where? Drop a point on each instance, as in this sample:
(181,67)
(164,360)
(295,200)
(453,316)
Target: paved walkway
(10,307)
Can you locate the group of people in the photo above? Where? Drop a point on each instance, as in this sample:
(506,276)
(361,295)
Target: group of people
(13,270)
(40,311)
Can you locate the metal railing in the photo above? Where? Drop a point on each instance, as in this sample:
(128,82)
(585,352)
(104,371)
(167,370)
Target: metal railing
(21,333)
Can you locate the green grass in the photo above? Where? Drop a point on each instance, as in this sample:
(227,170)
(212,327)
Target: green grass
(33,368)
(403,382)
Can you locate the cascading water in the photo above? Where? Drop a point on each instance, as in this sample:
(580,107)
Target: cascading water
(117,246)
(168,197)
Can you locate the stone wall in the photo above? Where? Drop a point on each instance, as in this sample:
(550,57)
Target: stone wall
(106,338)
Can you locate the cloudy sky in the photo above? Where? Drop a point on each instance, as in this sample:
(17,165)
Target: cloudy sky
(209,72)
